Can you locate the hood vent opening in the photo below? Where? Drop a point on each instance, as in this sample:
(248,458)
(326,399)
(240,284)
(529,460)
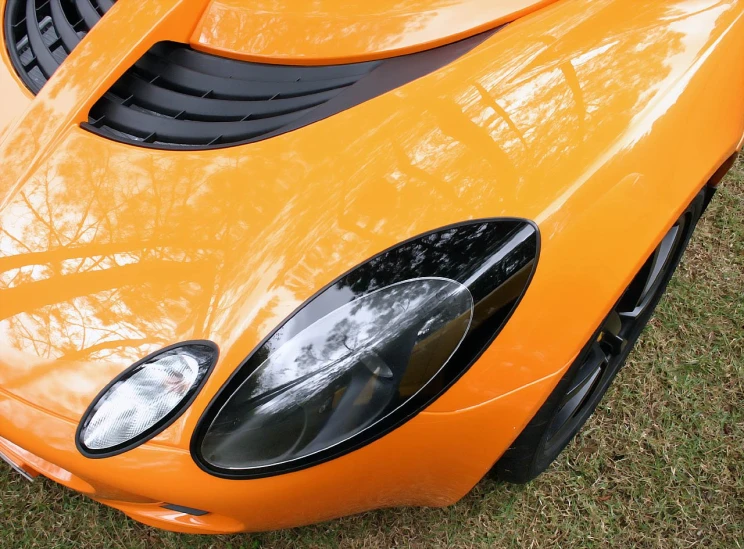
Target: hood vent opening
(176,97)
(40,34)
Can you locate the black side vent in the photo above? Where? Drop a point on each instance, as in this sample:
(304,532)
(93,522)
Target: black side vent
(175,97)
(40,34)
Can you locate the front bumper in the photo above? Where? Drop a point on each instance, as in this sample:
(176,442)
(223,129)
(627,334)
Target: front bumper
(151,513)
(433,460)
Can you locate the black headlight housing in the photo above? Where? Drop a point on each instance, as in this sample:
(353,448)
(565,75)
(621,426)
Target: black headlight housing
(369,351)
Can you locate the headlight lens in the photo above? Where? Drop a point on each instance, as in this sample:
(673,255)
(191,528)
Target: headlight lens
(340,373)
(368,352)
(145,399)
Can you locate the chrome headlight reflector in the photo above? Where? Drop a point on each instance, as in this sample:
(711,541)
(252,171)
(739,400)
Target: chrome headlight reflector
(145,399)
(369,351)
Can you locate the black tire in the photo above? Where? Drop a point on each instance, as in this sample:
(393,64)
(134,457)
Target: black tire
(581,389)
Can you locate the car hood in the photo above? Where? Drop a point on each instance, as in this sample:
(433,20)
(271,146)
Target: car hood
(110,251)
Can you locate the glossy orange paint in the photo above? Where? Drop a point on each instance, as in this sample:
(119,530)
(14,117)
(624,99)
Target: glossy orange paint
(329,31)
(595,119)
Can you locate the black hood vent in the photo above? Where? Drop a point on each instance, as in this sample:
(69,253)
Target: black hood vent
(40,34)
(176,97)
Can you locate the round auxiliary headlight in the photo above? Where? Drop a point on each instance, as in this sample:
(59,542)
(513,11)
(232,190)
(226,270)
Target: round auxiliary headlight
(145,399)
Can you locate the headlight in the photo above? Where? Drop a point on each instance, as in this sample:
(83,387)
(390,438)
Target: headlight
(369,351)
(145,399)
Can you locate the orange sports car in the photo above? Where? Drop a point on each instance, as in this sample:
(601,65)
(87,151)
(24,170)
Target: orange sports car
(265,263)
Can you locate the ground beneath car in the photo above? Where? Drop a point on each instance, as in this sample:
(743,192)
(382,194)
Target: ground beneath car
(660,464)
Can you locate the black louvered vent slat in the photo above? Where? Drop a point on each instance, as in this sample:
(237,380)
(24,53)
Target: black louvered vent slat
(172,103)
(221,66)
(88,11)
(40,34)
(142,123)
(231,79)
(65,28)
(105,5)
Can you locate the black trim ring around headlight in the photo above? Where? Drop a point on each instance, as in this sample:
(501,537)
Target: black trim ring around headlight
(494,258)
(205,346)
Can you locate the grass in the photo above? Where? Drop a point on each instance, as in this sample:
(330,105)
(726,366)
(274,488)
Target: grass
(661,463)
